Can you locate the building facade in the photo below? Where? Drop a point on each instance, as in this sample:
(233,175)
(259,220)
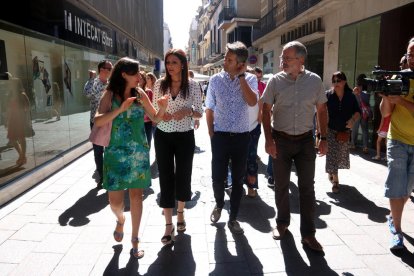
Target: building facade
(221,22)
(46,50)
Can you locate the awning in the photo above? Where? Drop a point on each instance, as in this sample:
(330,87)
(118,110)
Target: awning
(208,65)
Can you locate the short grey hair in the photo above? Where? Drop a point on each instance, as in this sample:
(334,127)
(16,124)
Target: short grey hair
(300,49)
(239,49)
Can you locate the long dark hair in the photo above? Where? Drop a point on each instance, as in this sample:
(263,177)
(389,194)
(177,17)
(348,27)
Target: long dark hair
(361,82)
(117,83)
(166,81)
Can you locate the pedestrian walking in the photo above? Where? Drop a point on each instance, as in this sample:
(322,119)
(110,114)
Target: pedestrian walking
(344,112)
(230,93)
(174,138)
(294,93)
(93,90)
(126,159)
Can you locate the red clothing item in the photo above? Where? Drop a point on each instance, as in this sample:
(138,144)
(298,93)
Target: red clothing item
(149,94)
(385,124)
(261,86)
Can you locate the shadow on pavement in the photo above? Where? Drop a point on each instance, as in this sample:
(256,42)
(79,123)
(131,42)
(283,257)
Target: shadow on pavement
(194,200)
(294,263)
(77,214)
(175,259)
(154,170)
(257,213)
(321,208)
(245,262)
(112,268)
(368,156)
(351,199)
(405,255)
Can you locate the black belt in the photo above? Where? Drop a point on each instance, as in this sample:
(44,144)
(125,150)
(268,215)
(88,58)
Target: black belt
(224,133)
(292,137)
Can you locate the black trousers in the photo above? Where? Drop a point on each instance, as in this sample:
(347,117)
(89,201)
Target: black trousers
(301,150)
(175,152)
(226,146)
(98,152)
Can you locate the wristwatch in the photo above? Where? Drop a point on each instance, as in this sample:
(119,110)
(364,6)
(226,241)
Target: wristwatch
(241,75)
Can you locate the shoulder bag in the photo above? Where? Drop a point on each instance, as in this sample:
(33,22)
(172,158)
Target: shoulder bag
(102,135)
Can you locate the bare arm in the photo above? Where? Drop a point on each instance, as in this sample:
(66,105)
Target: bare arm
(270,145)
(103,116)
(210,121)
(386,107)
(388,104)
(154,115)
(259,115)
(322,117)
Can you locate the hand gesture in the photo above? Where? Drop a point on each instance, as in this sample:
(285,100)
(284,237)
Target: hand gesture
(243,69)
(127,103)
(163,102)
(196,124)
(181,114)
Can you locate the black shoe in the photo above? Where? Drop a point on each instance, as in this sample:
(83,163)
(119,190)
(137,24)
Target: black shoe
(270,182)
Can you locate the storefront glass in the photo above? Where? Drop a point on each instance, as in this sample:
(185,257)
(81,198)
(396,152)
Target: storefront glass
(52,74)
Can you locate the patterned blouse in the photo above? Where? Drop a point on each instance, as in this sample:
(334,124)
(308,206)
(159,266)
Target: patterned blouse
(225,99)
(93,90)
(193,100)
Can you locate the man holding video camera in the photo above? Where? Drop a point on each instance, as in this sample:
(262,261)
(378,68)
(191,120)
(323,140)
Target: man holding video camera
(400,152)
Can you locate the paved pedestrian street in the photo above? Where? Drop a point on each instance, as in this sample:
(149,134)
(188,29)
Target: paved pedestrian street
(64,226)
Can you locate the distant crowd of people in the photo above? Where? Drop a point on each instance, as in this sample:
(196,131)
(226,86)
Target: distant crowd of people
(293,109)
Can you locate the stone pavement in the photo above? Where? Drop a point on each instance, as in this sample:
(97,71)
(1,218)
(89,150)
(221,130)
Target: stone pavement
(64,226)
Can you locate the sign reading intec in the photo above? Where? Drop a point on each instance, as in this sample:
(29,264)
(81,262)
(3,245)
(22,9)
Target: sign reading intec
(253,59)
(82,29)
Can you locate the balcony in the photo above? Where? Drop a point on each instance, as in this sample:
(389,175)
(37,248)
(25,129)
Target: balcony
(294,8)
(272,20)
(225,17)
(266,24)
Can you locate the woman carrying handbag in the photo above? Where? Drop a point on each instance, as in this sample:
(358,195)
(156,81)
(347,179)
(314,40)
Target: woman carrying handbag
(126,159)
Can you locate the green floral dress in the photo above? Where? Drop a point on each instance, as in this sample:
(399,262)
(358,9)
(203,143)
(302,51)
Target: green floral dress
(126,159)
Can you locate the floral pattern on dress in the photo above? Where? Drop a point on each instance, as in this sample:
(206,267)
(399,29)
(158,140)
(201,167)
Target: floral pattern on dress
(126,159)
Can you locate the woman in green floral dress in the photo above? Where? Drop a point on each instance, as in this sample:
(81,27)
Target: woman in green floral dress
(126,158)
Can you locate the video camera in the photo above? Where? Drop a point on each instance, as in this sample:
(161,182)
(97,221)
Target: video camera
(389,82)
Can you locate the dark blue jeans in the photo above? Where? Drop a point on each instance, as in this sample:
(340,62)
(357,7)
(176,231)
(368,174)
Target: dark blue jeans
(225,146)
(252,156)
(302,152)
(98,152)
(269,168)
